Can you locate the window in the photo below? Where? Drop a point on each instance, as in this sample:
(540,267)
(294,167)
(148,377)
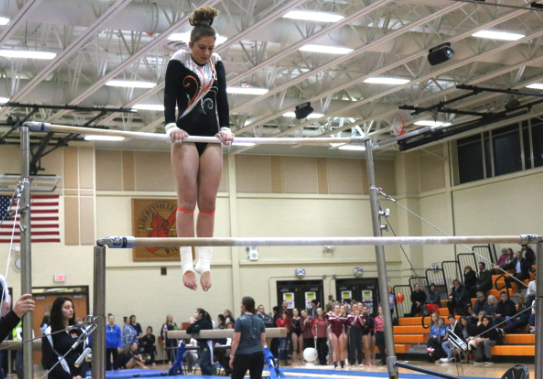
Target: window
(470,165)
(500,151)
(537,141)
(506,150)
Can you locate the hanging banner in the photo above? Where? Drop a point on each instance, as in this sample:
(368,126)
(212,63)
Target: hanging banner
(309,296)
(288,297)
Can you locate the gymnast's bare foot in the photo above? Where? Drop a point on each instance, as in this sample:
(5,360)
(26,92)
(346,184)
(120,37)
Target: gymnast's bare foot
(205,280)
(189,280)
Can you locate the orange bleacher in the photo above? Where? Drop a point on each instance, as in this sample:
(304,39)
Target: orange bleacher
(410,331)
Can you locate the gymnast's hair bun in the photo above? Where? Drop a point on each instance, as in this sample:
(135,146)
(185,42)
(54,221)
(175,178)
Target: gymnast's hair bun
(203,16)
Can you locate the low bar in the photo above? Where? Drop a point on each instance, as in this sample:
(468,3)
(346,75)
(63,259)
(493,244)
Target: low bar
(18,345)
(128,242)
(43,127)
(223,333)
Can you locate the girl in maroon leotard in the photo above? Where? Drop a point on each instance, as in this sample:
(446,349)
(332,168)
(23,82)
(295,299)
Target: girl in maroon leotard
(338,338)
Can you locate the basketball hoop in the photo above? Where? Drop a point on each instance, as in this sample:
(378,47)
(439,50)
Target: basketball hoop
(398,125)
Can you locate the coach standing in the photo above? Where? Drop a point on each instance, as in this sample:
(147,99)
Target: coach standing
(247,351)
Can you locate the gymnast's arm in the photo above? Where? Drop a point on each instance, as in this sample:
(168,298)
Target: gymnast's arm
(222,98)
(174,76)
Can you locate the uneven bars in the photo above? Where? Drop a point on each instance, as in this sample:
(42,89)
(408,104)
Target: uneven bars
(222,333)
(128,242)
(44,127)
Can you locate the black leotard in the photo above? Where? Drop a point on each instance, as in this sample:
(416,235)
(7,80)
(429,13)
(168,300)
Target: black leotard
(199,91)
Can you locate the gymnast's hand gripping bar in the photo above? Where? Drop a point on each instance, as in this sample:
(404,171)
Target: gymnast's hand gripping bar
(131,242)
(44,127)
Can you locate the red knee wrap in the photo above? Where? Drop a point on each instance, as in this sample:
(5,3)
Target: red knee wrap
(184,210)
(207,213)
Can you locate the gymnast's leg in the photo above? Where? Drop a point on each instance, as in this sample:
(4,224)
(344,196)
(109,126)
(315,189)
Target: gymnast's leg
(209,179)
(185,163)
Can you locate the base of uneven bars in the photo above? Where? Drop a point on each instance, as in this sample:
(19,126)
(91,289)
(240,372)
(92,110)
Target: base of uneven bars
(223,333)
(425,370)
(129,242)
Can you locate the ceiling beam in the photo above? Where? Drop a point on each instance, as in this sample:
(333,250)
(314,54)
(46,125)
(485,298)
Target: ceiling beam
(335,62)
(130,60)
(11,27)
(321,33)
(428,76)
(96,27)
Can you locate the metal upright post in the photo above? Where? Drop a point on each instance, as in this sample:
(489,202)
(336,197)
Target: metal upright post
(26,250)
(539,312)
(98,311)
(381,263)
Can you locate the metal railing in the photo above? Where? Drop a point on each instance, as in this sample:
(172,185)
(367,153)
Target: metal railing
(405,306)
(421,281)
(451,271)
(484,251)
(466,259)
(437,277)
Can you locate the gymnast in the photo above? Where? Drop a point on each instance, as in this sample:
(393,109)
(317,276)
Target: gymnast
(196,83)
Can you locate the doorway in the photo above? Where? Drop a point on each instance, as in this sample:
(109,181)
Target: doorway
(365,290)
(299,293)
(45,296)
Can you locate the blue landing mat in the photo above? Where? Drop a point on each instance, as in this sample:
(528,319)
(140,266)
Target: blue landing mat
(135,373)
(335,373)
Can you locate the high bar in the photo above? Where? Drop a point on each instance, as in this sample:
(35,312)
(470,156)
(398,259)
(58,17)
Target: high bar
(129,242)
(44,127)
(223,333)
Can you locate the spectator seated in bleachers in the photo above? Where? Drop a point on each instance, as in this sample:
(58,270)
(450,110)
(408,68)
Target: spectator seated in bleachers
(521,268)
(418,299)
(458,299)
(470,280)
(484,282)
(488,338)
(530,292)
(437,334)
(478,306)
(502,260)
(505,310)
(433,300)
(528,254)
(491,306)
(521,318)
(453,326)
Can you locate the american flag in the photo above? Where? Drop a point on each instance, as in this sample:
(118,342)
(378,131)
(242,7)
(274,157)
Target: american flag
(44,219)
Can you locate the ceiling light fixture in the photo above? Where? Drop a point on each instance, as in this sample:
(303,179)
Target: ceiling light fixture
(432,123)
(352,147)
(313,16)
(386,81)
(149,107)
(4,100)
(504,36)
(312,115)
(185,37)
(103,138)
(535,86)
(30,54)
(130,83)
(247,90)
(326,49)
(4,20)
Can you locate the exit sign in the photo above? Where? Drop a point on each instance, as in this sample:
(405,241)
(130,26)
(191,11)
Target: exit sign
(60,278)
